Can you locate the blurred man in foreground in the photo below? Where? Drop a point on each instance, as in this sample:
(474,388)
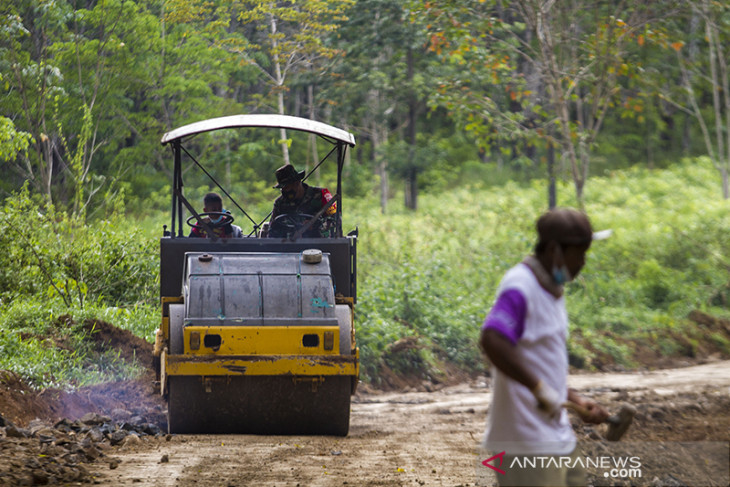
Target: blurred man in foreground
(524,336)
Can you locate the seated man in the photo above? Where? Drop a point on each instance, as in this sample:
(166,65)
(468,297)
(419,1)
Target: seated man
(298,204)
(217,218)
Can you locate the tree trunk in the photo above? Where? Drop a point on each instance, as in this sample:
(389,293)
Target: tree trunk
(411,190)
(556,93)
(382,165)
(47,171)
(693,50)
(383,170)
(552,189)
(282,132)
(312,137)
(280,89)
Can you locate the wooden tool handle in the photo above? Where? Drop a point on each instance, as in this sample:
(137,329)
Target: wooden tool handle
(577,408)
(584,412)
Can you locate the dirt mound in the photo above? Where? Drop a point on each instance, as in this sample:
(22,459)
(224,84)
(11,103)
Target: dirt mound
(429,379)
(48,435)
(694,416)
(129,346)
(18,402)
(21,404)
(698,339)
(48,452)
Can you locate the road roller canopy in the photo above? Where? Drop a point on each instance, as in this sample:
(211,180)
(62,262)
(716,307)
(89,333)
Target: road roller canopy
(259,120)
(339,139)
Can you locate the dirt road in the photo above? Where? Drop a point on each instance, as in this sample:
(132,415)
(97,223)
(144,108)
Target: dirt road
(419,438)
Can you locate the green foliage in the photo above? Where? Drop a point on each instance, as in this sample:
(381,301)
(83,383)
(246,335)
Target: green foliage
(431,276)
(426,279)
(51,254)
(56,272)
(12,142)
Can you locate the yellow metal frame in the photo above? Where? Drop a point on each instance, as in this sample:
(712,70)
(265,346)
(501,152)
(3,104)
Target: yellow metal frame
(257,350)
(166,301)
(302,365)
(162,334)
(262,340)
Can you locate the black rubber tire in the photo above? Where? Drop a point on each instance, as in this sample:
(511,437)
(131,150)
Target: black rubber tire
(264,405)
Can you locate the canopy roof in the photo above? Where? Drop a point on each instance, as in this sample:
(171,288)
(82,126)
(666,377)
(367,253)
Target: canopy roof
(259,120)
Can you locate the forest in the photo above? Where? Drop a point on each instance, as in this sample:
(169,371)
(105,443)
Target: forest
(435,91)
(471,117)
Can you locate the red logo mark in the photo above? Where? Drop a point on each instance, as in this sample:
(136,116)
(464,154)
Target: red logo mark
(501,459)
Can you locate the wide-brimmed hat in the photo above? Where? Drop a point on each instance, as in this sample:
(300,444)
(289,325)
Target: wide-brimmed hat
(287,174)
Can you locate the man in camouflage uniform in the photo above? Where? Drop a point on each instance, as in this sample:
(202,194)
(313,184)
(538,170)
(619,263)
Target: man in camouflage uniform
(298,203)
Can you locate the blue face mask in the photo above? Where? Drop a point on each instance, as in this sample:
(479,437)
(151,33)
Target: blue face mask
(219,219)
(561,275)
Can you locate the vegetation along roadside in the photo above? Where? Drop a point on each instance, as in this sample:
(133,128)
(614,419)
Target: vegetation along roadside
(657,291)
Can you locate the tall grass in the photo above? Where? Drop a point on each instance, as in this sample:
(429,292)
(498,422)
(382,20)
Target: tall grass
(426,279)
(431,275)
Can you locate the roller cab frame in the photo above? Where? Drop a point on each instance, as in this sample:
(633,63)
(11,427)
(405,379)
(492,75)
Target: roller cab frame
(257,334)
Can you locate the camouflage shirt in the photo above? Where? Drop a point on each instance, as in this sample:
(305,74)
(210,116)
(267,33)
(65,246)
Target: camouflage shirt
(313,200)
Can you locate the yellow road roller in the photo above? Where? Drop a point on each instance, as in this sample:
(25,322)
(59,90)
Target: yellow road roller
(257,333)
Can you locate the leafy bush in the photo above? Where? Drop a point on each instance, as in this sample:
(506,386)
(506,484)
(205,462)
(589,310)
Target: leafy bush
(56,271)
(49,253)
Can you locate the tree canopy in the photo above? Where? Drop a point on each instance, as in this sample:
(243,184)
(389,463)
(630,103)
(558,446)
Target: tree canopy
(438,92)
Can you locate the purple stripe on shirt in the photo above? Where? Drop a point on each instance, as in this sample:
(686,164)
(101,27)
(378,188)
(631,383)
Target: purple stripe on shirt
(508,315)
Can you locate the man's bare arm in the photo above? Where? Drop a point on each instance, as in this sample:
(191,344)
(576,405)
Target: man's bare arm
(501,352)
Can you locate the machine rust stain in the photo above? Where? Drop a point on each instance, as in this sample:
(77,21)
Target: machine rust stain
(238,369)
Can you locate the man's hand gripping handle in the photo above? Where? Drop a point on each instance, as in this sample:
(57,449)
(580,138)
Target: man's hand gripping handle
(548,399)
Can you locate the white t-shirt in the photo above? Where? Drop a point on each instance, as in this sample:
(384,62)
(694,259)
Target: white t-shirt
(515,424)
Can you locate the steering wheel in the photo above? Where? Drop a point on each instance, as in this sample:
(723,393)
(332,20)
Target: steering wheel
(227,219)
(288,223)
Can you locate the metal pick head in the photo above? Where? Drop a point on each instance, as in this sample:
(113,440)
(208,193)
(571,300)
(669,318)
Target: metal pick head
(620,422)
